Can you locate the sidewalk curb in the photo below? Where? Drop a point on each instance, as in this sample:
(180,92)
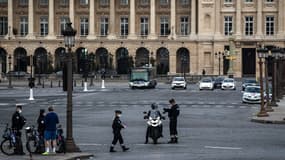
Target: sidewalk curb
(267,121)
(83,156)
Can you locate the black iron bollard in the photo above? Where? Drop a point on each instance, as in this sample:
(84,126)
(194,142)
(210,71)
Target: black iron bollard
(82,83)
(43,83)
(50,83)
(91,82)
(59,83)
(74,83)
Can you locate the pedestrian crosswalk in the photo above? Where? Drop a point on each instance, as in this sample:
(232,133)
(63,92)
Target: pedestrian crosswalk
(143,104)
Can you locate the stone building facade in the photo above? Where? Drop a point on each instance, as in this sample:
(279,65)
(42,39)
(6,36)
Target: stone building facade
(173,35)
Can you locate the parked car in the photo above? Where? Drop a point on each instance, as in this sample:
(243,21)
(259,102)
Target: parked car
(251,94)
(178,82)
(229,83)
(249,82)
(206,83)
(218,82)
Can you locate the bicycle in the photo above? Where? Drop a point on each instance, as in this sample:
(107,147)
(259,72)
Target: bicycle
(8,145)
(60,140)
(35,142)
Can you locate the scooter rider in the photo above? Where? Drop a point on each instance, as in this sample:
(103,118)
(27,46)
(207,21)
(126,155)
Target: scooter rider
(154,112)
(173,113)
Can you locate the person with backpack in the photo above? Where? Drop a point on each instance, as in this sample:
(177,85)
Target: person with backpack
(173,113)
(18,122)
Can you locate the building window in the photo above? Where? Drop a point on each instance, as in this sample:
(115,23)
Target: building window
(43,26)
(104,2)
(228,1)
(249,25)
(43,2)
(3,1)
(184,2)
(248,1)
(164,23)
(63,21)
(83,2)
(144,26)
(124,26)
(3,26)
(228,25)
(269,25)
(270,1)
(184,26)
(124,2)
(63,2)
(144,2)
(104,26)
(83,26)
(23,2)
(163,2)
(23,26)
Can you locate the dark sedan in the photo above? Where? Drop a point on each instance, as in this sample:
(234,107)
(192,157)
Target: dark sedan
(218,82)
(249,82)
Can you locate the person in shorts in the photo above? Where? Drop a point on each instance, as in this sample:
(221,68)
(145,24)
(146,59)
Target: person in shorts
(51,120)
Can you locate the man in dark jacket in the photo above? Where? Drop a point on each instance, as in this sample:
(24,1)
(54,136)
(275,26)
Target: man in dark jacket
(18,122)
(173,113)
(117,126)
(41,122)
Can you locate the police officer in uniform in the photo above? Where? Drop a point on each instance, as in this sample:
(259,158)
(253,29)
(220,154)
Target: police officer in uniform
(117,126)
(18,122)
(173,113)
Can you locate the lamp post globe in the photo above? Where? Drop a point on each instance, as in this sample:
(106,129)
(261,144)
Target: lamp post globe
(69,41)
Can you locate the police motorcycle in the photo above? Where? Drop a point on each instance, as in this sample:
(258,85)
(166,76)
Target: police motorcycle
(154,124)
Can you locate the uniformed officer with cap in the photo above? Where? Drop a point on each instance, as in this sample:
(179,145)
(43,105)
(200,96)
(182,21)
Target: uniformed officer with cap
(117,126)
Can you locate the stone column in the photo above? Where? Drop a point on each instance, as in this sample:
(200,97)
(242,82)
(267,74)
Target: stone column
(259,19)
(51,34)
(238,19)
(71,12)
(132,34)
(91,34)
(10,20)
(31,20)
(173,20)
(152,34)
(219,19)
(193,19)
(112,23)
(280,18)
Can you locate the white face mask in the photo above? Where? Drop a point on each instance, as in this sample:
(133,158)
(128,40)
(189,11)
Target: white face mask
(119,115)
(20,111)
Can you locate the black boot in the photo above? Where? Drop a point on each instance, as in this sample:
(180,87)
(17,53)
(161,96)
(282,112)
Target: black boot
(176,140)
(171,141)
(146,141)
(125,148)
(112,149)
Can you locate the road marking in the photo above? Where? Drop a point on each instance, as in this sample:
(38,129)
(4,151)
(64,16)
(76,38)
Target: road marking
(4,104)
(226,148)
(91,144)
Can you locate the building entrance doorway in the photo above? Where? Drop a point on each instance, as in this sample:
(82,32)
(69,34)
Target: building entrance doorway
(248,62)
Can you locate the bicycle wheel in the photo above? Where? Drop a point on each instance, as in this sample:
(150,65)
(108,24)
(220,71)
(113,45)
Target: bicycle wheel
(7,147)
(32,145)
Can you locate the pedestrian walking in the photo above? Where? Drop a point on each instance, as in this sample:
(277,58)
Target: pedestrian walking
(203,72)
(173,113)
(18,122)
(117,127)
(50,121)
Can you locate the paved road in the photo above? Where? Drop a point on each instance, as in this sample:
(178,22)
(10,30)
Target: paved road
(214,125)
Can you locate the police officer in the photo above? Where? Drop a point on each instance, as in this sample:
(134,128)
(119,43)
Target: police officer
(117,126)
(173,113)
(18,122)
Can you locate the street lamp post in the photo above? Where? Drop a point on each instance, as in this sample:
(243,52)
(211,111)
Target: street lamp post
(231,55)
(280,75)
(219,55)
(275,53)
(0,68)
(69,40)
(9,73)
(268,106)
(183,60)
(85,72)
(39,69)
(262,52)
